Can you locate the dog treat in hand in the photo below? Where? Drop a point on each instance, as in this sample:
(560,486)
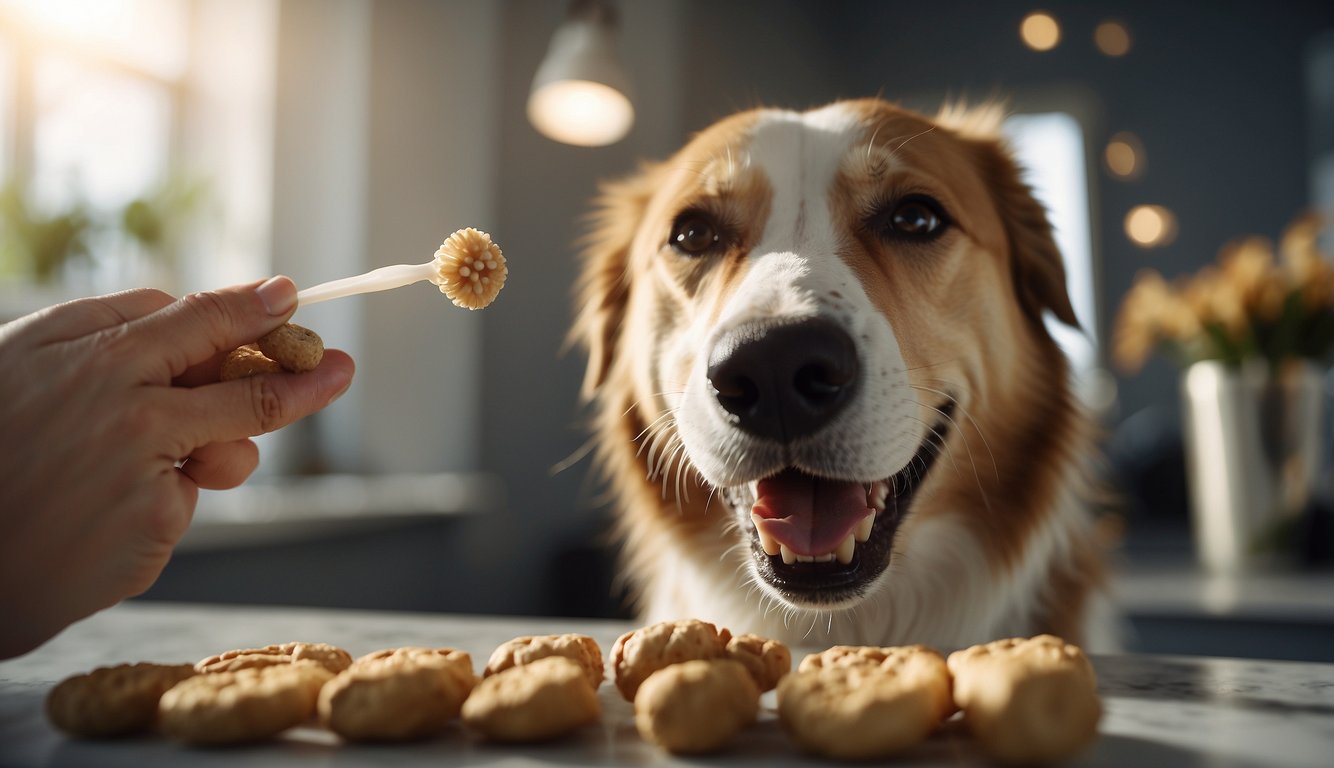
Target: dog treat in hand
(397,694)
(246,361)
(846,707)
(1027,700)
(331,657)
(112,701)
(295,348)
(581,649)
(468,268)
(538,701)
(289,347)
(250,704)
(640,653)
(696,706)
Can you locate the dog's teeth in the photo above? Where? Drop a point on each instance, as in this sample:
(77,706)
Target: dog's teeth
(767,542)
(877,495)
(789,557)
(846,549)
(805,559)
(825,558)
(863,531)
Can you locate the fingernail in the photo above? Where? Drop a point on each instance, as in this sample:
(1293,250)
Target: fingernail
(278,294)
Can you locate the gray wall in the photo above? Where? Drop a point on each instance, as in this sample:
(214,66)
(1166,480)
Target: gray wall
(530,391)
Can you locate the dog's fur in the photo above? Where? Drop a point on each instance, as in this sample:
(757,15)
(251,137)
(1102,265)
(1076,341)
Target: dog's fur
(953,358)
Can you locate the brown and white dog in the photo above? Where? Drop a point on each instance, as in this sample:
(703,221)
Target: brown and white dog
(825,397)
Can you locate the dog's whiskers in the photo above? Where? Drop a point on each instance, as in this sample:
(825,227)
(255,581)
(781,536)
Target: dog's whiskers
(658,444)
(875,166)
(924,366)
(942,449)
(678,461)
(964,412)
(915,135)
(656,424)
(576,456)
(666,460)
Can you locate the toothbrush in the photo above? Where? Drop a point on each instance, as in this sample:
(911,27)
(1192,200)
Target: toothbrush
(468,268)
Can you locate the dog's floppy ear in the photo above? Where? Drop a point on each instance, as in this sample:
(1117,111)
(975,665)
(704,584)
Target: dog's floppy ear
(1038,268)
(604,283)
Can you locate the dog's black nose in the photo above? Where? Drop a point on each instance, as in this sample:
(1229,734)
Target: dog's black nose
(787,381)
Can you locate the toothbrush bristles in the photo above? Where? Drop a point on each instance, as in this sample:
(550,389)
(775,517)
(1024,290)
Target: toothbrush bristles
(470,269)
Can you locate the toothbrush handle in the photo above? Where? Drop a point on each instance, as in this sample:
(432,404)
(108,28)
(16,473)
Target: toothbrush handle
(381,279)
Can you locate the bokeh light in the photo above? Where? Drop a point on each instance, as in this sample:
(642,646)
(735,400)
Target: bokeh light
(1040,31)
(1124,156)
(1112,38)
(1151,226)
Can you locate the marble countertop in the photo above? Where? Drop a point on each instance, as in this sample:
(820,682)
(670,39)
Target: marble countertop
(1181,711)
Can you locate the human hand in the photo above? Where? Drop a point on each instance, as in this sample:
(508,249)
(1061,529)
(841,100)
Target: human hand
(113,418)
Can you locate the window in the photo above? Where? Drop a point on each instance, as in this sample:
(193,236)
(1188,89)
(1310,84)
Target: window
(90,94)
(1050,146)
(169,102)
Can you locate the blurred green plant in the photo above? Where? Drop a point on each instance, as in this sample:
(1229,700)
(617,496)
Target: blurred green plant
(40,244)
(155,220)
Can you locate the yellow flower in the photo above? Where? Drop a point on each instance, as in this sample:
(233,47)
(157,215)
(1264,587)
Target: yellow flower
(1150,313)
(1238,306)
(1301,257)
(1247,268)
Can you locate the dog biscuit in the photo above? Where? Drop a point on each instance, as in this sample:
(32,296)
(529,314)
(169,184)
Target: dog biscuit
(640,653)
(862,656)
(537,701)
(581,649)
(397,694)
(330,657)
(453,661)
(112,701)
(247,705)
(1027,700)
(292,346)
(766,660)
(696,706)
(246,361)
(854,709)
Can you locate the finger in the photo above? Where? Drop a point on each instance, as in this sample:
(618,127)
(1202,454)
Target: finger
(200,325)
(233,410)
(84,316)
(202,373)
(219,466)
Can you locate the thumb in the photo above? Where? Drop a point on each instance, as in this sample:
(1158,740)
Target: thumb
(198,326)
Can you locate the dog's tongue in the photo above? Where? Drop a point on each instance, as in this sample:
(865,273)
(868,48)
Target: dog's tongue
(810,515)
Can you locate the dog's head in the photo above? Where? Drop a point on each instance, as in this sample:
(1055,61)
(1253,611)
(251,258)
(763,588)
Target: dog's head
(804,312)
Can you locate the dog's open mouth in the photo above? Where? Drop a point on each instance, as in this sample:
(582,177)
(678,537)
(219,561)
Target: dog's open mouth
(820,541)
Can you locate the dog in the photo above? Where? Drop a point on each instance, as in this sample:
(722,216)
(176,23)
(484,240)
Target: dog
(822,391)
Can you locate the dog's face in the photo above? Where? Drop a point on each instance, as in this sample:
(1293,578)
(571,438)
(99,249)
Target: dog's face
(806,312)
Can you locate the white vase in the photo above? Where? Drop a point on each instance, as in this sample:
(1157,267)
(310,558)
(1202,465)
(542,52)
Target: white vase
(1254,454)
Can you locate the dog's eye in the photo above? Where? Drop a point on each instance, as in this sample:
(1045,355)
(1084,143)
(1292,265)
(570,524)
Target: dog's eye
(917,217)
(694,234)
